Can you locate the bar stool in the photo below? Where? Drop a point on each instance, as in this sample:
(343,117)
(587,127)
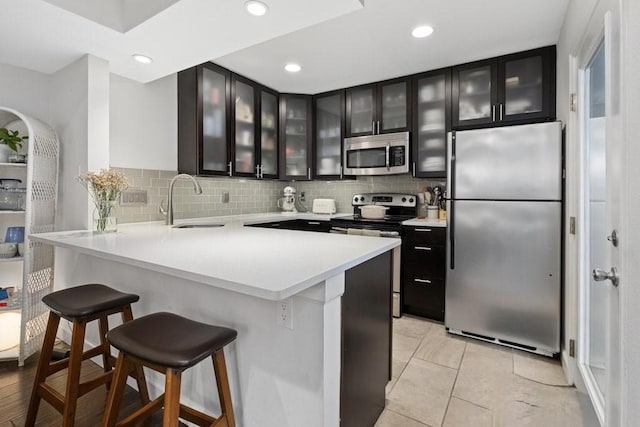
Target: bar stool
(169,344)
(79,305)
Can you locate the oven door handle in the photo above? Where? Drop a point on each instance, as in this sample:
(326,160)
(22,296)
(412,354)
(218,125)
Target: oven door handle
(387,151)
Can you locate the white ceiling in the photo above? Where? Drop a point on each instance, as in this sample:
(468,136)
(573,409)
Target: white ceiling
(375,43)
(338,42)
(41,36)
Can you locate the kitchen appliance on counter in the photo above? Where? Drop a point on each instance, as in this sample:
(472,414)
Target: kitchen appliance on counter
(400,207)
(385,154)
(504,235)
(288,202)
(324,206)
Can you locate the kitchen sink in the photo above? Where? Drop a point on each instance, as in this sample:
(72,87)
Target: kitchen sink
(198,225)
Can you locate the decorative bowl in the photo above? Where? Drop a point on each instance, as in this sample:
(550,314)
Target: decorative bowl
(8,250)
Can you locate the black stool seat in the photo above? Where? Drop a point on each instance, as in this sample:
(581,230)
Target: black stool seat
(170,340)
(85,301)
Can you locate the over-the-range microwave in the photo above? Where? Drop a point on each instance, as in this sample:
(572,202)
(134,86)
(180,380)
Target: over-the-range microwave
(384,154)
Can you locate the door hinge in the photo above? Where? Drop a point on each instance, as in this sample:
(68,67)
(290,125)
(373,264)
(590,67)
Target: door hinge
(572,348)
(573,102)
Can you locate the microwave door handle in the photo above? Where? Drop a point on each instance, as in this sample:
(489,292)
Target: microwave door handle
(387,150)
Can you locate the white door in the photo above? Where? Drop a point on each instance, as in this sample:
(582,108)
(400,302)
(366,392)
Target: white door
(600,139)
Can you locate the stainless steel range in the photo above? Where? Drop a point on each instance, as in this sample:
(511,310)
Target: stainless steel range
(400,207)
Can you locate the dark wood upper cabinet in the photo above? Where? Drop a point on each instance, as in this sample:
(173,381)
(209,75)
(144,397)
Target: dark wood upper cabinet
(269,136)
(227,124)
(255,121)
(295,137)
(204,120)
(431,94)
(382,107)
(244,108)
(511,89)
(328,134)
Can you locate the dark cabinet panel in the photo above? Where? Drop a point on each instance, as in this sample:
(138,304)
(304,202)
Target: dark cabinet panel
(244,106)
(511,89)
(475,94)
(295,131)
(527,86)
(361,114)
(204,120)
(424,271)
(366,341)
(297,224)
(329,119)
(431,122)
(382,107)
(268,133)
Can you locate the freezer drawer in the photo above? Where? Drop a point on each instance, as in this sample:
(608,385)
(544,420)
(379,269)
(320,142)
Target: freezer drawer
(508,163)
(505,280)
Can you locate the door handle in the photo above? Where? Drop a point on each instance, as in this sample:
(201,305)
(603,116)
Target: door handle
(378,127)
(600,275)
(422,248)
(428,282)
(230,169)
(386,155)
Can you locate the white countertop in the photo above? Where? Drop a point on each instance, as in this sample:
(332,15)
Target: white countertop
(265,263)
(425,222)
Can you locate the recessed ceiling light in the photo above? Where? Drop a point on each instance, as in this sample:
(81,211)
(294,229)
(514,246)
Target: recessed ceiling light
(292,68)
(422,31)
(142,58)
(256,8)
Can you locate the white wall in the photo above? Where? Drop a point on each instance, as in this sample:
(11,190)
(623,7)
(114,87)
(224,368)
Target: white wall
(630,287)
(576,19)
(143,126)
(80,115)
(626,408)
(25,91)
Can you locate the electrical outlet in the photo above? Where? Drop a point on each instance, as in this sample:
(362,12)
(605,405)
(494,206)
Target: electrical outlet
(302,196)
(225,197)
(284,313)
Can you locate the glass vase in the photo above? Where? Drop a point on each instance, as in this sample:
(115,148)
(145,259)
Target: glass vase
(103,219)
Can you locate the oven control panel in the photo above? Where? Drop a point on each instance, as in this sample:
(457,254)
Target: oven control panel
(385,199)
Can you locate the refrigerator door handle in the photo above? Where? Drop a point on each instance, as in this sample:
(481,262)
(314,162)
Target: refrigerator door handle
(451,187)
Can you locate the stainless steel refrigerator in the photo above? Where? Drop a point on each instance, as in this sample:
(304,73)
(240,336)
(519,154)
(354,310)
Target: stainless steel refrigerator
(504,235)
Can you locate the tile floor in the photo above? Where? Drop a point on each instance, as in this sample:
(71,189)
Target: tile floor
(445,380)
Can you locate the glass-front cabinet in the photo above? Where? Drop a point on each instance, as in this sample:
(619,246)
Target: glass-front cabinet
(431,122)
(268,134)
(204,120)
(328,134)
(295,136)
(517,88)
(244,97)
(227,124)
(378,108)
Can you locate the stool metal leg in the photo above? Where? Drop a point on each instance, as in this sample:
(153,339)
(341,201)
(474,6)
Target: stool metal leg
(171,398)
(224,393)
(43,368)
(73,377)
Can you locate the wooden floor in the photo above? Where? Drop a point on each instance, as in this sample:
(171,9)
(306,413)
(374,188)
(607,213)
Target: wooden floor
(15,391)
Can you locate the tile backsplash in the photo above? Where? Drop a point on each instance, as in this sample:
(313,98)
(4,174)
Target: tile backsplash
(246,195)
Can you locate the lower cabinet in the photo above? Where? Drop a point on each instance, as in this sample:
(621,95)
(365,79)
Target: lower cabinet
(424,271)
(297,224)
(366,341)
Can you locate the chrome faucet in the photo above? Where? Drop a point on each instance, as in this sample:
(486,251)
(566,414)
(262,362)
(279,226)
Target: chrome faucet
(169,211)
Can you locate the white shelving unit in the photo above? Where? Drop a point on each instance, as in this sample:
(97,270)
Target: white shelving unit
(32,273)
